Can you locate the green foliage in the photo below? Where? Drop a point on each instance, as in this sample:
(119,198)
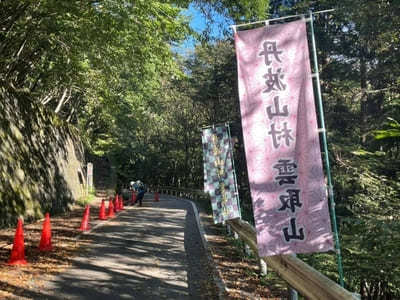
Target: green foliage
(389,138)
(240,10)
(84,200)
(70,55)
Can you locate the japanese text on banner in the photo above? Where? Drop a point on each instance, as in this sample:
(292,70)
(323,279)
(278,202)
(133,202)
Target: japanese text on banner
(281,140)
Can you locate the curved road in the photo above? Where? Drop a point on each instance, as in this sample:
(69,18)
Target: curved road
(149,252)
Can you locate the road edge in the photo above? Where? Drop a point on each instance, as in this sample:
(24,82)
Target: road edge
(218,281)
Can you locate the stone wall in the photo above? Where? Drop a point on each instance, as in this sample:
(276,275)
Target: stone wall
(41,160)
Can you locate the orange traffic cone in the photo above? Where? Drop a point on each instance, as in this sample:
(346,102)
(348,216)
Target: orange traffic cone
(133,200)
(156,196)
(18,249)
(121,203)
(102,212)
(110,213)
(85,220)
(116,203)
(45,240)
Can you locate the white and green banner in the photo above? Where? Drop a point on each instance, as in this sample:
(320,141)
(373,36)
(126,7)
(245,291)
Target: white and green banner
(219,174)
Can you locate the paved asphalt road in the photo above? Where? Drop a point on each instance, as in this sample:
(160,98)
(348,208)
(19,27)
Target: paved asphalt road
(148,252)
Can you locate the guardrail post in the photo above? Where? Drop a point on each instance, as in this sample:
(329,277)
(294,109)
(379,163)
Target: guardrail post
(228,229)
(292,293)
(263,267)
(247,250)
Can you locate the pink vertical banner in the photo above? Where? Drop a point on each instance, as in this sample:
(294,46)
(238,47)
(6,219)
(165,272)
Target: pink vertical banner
(281,140)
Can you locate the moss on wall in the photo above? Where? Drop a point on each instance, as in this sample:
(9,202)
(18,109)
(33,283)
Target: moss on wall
(40,158)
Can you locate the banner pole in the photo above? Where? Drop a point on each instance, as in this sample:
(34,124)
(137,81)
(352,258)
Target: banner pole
(267,22)
(326,155)
(234,169)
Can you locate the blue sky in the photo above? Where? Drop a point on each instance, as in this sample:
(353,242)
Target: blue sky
(198,23)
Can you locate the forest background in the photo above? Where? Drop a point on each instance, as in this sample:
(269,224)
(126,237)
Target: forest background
(108,68)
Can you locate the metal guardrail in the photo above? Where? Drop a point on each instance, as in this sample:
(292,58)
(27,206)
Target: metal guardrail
(306,280)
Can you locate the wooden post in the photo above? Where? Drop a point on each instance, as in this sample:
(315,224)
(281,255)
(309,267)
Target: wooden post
(89,178)
(293,295)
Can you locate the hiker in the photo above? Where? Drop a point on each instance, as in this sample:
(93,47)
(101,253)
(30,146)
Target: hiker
(141,190)
(132,185)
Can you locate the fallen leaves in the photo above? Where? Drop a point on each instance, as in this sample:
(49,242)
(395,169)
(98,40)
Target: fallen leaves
(239,272)
(17,282)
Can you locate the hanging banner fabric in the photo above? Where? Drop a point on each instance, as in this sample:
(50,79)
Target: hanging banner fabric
(219,181)
(281,140)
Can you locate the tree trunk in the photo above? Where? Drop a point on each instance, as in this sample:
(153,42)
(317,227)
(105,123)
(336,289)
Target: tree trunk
(61,102)
(364,97)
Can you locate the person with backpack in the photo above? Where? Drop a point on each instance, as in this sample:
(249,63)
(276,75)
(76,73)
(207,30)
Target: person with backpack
(141,191)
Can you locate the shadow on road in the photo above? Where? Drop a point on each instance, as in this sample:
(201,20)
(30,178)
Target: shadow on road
(151,252)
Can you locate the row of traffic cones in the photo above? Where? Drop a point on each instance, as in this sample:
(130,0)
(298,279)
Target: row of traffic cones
(17,256)
(114,205)
(18,250)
